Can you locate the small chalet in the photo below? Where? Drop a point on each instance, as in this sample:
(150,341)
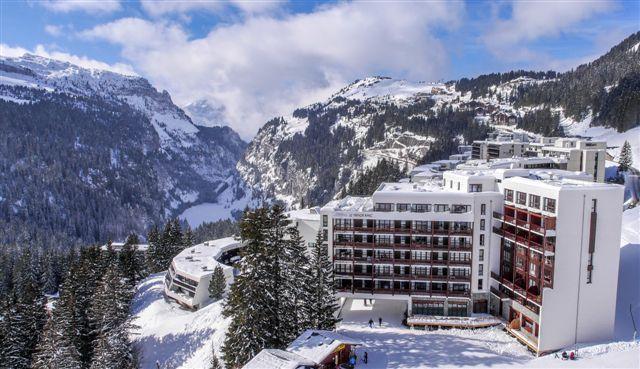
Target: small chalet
(312,349)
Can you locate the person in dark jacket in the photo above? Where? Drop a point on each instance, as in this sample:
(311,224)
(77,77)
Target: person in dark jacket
(370,322)
(366,357)
(380,321)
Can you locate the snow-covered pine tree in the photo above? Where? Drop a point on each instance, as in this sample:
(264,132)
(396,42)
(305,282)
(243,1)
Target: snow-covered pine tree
(249,303)
(296,277)
(129,263)
(109,314)
(188,239)
(55,349)
(323,302)
(154,252)
(58,346)
(26,314)
(217,284)
(175,242)
(626,158)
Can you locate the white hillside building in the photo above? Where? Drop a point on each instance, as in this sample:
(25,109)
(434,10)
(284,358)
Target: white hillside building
(187,280)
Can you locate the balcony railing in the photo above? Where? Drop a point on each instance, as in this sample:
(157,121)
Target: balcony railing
(498,215)
(460,262)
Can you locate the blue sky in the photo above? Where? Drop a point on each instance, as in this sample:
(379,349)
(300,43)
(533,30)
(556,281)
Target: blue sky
(257,59)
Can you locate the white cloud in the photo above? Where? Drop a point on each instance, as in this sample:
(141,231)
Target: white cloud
(82,61)
(509,38)
(162,7)
(53,30)
(89,6)
(266,66)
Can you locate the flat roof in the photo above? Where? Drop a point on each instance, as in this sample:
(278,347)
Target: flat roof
(201,259)
(311,214)
(563,184)
(350,203)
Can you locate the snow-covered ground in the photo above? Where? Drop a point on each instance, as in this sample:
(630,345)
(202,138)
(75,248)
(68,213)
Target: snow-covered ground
(394,346)
(171,336)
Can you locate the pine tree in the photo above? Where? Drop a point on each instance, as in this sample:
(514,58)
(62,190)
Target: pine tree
(129,262)
(25,315)
(217,284)
(249,303)
(154,252)
(55,349)
(188,238)
(626,158)
(296,277)
(323,303)
(58,347)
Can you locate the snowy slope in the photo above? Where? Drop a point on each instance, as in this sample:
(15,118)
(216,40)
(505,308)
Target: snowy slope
(170,335)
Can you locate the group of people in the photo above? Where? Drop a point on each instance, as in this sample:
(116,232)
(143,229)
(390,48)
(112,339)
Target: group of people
(379,322)
(567,356)
(353,359)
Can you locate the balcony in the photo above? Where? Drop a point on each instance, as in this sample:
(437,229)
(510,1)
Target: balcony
(462,232)
(460,262)
(497,215)
(383,260)
(362,245)
(454,277)
(343,257)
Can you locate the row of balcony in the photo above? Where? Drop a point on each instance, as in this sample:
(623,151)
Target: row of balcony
(547,224)
(524,241)
(428,231)
(412,276)
(407,291)
(391,260)
(454,246)
(521,294)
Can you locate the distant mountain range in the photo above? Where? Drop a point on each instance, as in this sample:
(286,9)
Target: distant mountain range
(90,155)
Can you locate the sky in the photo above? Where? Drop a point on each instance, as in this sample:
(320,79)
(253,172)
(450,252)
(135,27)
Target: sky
(255,60)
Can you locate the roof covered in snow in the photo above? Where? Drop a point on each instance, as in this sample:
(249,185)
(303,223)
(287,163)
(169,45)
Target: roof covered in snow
(310,214)
(317,345)
(201,259)
(277,359)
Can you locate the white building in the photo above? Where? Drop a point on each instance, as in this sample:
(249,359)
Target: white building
(527,240)
(498,149)
(554,264)
(187,280)
(308,223)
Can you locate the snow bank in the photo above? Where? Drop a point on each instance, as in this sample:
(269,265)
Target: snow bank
(629,275)
(170,335)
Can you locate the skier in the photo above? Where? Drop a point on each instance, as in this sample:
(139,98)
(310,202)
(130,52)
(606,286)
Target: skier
(380,321)
(564,355)
(366,357)
(572,356)
(370,322)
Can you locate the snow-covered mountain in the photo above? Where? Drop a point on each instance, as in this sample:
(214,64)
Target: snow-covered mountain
(204,113)
(313,154)
(141,129)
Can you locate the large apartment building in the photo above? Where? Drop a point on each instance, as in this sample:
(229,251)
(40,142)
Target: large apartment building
(424,243)
(554,264)
(523,244)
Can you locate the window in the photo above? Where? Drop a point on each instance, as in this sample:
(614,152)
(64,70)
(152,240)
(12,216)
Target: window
(325,234)
(508,195)
(534,201)
(383,224)
(549,205)
(482,224)
(483,209)
(480,269)
(422,226)
(457,309)
(421,208)
(441,208)
(451,184)
(475,188)
(325,220)
(481,240)
(481,255)
(480,283)
(458,186)
(459,209)
(403,207)
(428,308)
(383,207)
(521,198)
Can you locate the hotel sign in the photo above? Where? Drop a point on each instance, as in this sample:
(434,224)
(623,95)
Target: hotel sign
(352,214)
